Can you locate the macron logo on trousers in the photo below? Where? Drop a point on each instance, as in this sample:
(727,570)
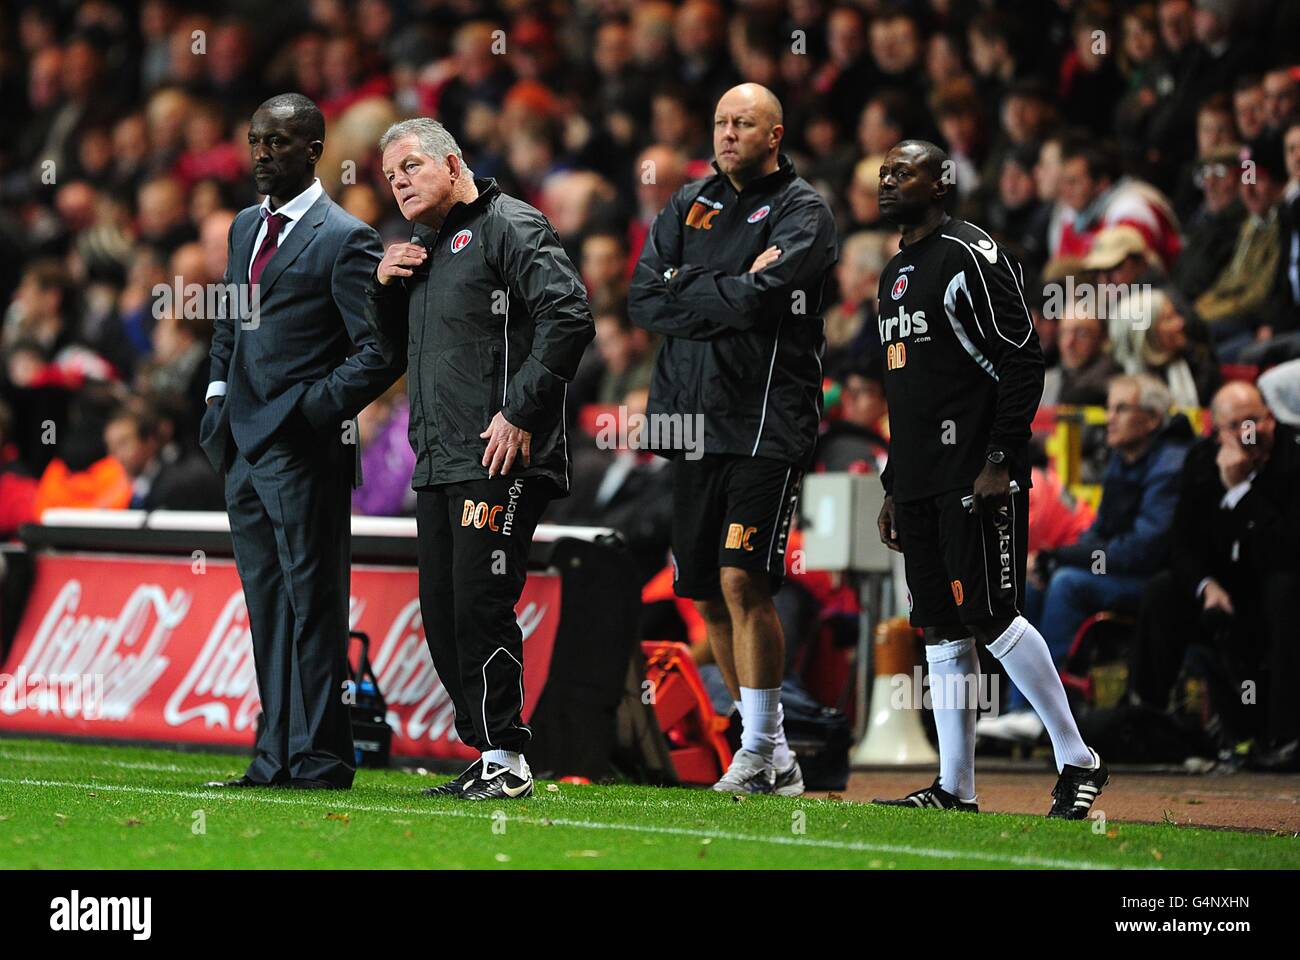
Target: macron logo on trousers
(479,514)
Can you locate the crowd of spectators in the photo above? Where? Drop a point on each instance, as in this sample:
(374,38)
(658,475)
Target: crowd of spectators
(1142,159)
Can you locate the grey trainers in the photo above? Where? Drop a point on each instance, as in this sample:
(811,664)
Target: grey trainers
(748,773)
(789,782)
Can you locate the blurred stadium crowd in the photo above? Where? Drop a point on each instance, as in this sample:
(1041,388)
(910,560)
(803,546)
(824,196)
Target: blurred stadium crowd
(1148,151)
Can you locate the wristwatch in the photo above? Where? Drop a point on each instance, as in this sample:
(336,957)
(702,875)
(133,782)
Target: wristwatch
(996,456)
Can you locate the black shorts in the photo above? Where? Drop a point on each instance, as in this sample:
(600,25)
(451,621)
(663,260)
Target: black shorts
(730,511)
(962,568)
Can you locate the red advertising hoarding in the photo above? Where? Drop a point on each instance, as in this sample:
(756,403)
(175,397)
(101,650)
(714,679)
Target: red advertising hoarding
(165,647)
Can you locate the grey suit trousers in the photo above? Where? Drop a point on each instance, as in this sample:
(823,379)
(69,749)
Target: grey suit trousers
(290,524)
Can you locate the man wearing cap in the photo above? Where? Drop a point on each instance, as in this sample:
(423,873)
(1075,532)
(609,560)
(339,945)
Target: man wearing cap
(1126,271)
(1235,571)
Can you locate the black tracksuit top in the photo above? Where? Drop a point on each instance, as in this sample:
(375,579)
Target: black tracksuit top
(742,349)
(963,366)
(495,319)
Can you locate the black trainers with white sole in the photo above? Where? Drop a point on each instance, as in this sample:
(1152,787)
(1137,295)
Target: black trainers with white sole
(1077,788)
(454,787)
(933,797)
(499,783)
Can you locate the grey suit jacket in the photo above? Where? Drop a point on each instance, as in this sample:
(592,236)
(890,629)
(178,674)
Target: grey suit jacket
(296,353)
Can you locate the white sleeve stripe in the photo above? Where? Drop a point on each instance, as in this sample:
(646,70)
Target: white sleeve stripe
(958,283)
(989,298)
(974,313)
(1029,320)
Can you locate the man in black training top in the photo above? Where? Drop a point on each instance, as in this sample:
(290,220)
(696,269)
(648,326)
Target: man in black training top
(732,275)
(491,318)
(963,376)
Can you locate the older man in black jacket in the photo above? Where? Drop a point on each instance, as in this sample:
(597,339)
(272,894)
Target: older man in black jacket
(493,319)
(1234,578)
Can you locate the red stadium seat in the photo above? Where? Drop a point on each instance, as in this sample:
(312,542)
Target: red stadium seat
(1100,639)
(1248,372)
(695,734)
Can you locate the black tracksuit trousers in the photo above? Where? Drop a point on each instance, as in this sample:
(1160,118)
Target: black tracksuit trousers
(473,544)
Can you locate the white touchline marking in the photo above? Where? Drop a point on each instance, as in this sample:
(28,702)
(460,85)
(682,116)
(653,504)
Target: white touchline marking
(98,761)
(214,766)
(851,846)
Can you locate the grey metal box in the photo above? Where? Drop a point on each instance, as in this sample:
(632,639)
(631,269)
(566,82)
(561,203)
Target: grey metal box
(838,513)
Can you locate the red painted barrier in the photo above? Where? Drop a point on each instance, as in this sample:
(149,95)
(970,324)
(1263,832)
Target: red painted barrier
(167,643)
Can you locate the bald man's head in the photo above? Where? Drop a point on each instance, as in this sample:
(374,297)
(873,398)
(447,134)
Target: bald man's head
(756,98)
(1242,418)
(1234,393)
(747,132)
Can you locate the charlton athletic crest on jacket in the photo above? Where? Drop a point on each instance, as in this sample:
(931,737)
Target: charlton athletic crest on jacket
(760,213)
(900,287)
(461,241)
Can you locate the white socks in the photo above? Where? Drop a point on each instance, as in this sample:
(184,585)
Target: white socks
(1024,655)
(761,724)
(505,758)
(954,688)
(781,756)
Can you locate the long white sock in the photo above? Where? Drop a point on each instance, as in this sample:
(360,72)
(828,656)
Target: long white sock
(506,758)
(1024,655)
(782,756)
(760,720)
(954,687)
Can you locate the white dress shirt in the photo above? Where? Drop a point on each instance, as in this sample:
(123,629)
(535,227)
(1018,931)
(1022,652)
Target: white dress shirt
(294,210)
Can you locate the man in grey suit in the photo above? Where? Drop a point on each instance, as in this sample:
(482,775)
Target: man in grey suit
(293,361)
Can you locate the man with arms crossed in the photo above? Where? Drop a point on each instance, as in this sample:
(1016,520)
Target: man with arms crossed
(732,275)
(964,373)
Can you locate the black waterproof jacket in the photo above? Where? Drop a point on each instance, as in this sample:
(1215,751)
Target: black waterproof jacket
(495,319)
(742,350)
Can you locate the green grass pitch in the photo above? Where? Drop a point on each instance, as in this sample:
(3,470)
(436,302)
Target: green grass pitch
(65,805)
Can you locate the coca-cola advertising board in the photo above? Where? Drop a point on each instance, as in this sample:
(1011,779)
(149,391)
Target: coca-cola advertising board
(159,649)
